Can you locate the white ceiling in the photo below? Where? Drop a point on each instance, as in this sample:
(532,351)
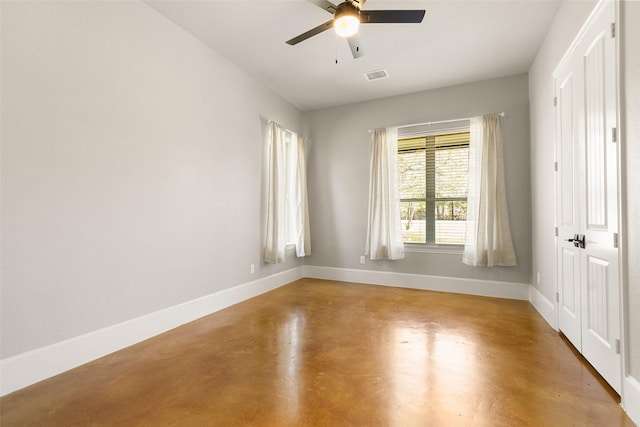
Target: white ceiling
(458,42)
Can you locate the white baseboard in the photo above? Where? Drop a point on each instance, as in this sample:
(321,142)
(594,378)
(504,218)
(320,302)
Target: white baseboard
(28,368)
(545,307)
(419,281)
(631,398)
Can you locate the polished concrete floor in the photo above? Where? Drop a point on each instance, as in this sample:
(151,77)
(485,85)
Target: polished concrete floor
(321,353)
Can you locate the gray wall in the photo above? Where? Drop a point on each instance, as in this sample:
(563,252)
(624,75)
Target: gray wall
(339,174)
(630,87)
(131,168)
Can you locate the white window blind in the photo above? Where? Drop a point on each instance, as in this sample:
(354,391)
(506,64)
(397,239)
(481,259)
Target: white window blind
(433,183)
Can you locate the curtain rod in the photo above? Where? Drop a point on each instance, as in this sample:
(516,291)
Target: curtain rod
(502,114)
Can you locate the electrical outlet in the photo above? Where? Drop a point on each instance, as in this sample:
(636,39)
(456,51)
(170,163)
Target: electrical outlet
(253,268)
(538,277)
(363,259)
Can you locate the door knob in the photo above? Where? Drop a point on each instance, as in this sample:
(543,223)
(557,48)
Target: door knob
(579,240)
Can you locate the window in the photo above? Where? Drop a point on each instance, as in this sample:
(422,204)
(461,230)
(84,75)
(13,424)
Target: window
(433,180)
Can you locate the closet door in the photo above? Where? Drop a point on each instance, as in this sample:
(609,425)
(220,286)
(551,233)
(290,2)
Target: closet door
(587,207)
(569,175)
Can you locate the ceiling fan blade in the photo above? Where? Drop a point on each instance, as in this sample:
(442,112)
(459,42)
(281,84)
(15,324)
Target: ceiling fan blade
(326,5)
(355,46)
(317,30)
(391,16)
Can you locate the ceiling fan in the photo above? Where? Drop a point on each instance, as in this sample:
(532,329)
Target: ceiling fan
(347,17)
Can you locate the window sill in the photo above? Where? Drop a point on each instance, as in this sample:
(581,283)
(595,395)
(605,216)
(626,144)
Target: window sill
(434,249)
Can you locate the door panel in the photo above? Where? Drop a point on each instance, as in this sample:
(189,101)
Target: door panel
(568,154)
(570,316)
(594,88)
(597,315)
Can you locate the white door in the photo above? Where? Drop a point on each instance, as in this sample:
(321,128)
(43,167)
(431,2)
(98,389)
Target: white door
(587,206)
(569,115)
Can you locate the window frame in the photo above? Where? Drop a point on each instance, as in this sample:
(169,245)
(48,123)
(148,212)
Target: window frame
(425,131)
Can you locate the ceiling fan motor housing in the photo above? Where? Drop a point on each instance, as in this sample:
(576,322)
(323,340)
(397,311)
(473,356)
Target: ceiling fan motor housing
(346,20)
(346,9)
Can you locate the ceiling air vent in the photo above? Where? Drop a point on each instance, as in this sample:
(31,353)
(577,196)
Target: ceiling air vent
(375,75)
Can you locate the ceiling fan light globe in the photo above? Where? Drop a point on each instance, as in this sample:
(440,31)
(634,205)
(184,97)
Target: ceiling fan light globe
(346,25)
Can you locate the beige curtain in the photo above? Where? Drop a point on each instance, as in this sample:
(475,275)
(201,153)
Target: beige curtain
(287,210)
(298,205)
(488,237)
(276,225)
(384,233)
